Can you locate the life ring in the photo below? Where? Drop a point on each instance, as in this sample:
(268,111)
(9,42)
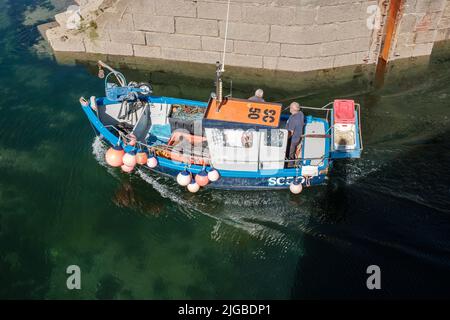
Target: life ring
(183,158)
(178,136)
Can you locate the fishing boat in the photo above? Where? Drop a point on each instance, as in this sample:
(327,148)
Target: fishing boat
(223,143)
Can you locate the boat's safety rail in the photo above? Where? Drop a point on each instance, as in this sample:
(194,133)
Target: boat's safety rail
(189,158)
(192,156)
(203,158)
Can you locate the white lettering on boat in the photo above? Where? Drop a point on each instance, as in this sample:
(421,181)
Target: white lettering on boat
(282,181)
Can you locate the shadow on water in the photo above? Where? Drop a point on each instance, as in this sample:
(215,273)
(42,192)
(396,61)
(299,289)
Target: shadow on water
(396,216)
(403,227)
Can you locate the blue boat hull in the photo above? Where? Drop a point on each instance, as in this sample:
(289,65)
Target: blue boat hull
(281,180)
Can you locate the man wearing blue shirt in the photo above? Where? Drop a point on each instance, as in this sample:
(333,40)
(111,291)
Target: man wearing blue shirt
(294,126)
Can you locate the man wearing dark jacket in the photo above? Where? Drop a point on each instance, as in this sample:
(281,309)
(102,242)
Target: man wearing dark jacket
(294,126)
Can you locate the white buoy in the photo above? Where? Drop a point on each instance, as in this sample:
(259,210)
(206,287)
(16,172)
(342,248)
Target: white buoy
(129,159)
(213,175)
(193,187)
(184,178)
(152,162)
(296,187)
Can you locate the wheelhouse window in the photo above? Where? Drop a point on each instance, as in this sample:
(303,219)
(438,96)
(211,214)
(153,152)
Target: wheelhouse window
(274,138)
(233,138)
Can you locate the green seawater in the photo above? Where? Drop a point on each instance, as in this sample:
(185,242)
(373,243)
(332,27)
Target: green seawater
(141,236)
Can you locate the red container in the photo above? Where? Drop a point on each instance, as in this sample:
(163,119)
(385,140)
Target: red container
(344,111)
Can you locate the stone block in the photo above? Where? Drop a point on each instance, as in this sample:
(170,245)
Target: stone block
(301,50)
(444,23)
(423,49)
(177,8)
(132,37)
(190,55)
(446,12)
(443,34)
(404,39)
(215,10)
(268,15)
(345,46)
(147,51)
(407,23)
(347,12)
(270,63)
(241,60)
(303,34)
(114,21)
(344,60)
(257,48)
(174,40)
(404,51)
(202,27)
(424,36)
(409,6)
(106,47)
(299,65)
(246,31)
(216,44)
(137,6)
(352,30)
(67,45)
(430,6)
(305,15)
(144,22)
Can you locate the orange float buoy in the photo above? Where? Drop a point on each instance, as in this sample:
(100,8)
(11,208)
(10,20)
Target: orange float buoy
(141,157)
(126,168)
(129,159)
(114,156)
(202,178)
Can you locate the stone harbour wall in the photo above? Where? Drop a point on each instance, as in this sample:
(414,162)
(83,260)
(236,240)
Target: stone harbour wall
(422,23)
(291,35)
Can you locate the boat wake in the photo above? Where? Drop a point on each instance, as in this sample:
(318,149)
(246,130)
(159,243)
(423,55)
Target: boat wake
(260,216)
(276,218)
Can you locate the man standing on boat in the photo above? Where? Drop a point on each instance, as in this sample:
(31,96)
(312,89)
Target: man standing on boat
(294,126)
(258,97)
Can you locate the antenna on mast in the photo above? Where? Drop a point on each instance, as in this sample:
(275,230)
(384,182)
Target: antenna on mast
(220,67)
(226,36)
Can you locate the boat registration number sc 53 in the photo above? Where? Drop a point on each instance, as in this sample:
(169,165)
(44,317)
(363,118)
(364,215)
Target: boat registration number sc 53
(283,181)
(244,111)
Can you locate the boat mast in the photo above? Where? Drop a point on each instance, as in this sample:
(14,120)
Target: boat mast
(220,67)
(219,83)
